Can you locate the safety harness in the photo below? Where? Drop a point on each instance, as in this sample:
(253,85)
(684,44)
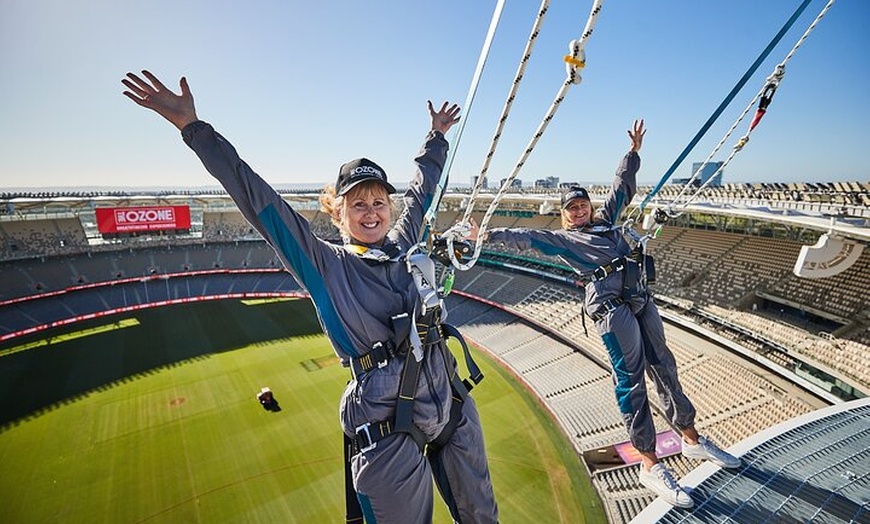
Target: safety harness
(413,336)
(639,269)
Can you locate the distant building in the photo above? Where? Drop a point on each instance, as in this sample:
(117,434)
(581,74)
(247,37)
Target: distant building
(516,184)
(551,182)
(474,181)
(707,170)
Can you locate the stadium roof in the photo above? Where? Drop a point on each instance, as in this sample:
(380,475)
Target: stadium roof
(852,228)
(846,221)
(814,468)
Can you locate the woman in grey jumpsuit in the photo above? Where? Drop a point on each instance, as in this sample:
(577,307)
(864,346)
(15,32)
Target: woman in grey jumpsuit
(626,318)
(357,289)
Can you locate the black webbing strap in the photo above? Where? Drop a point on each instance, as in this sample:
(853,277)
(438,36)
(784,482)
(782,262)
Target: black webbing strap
(649,269)
(608,306)
(605,270)
(382,352)
(615,266)
(378,357)
(368,435)
(405,400)
(429,335)
(353,510)
(474,372)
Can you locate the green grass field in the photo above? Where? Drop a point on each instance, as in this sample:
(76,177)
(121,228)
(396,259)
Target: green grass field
(157,422)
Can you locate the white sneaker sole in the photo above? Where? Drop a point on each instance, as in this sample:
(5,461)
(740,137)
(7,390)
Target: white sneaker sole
(668,497)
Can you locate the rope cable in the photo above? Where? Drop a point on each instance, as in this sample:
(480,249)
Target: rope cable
(737,87)
(766,95)
(527,54)
(575,61)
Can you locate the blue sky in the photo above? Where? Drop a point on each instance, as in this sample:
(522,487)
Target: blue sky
(301,87)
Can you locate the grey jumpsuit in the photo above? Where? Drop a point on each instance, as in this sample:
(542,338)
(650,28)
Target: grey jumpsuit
(354,300)
(633,332)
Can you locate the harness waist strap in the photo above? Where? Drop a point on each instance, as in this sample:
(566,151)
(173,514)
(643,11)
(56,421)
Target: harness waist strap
(615,266)
(608,306)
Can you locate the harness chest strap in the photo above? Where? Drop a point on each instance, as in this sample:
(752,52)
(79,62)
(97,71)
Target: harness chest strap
(383,351)
(643,270)
(615,266)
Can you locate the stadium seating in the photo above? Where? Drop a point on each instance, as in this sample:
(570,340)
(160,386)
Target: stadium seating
(40,237)
(578,392)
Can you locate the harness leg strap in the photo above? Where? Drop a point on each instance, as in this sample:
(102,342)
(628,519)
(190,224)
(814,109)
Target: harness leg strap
(354,513)
(475,375)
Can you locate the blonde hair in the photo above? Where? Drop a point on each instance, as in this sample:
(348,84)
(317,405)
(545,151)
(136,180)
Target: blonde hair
(566,224)
(333,205)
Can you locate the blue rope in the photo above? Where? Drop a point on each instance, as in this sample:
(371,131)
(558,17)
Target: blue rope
(725,102)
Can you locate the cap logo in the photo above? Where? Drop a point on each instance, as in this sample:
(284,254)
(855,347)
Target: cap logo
(573,193)
(366,169)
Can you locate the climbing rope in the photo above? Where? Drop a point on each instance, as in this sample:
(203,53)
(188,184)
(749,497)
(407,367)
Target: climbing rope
(737,87)
(764,98)
(515,86)
(574,62)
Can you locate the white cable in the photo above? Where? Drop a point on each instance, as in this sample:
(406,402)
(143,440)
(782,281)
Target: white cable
(574,62)
(515,86)
(774,77)
(430,215)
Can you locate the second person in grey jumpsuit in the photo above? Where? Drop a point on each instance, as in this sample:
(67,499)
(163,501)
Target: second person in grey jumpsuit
(626,318)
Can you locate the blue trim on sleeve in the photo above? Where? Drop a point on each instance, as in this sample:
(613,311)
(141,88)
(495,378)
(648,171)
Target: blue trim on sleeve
(366,507)
(547,248)
(620,201)
(309,277)
(551,250)
(623,377)
(429,198)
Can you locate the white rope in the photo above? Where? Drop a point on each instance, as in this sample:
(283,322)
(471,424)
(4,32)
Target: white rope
(774,79)
(575,61)
(515,86)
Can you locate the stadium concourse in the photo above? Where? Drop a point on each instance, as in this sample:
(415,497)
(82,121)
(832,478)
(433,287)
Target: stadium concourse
(777,364)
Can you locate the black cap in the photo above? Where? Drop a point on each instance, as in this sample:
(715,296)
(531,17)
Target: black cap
(573,193)
(360,170)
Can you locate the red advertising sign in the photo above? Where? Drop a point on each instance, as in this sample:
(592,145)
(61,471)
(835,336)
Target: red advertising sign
(146,218)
